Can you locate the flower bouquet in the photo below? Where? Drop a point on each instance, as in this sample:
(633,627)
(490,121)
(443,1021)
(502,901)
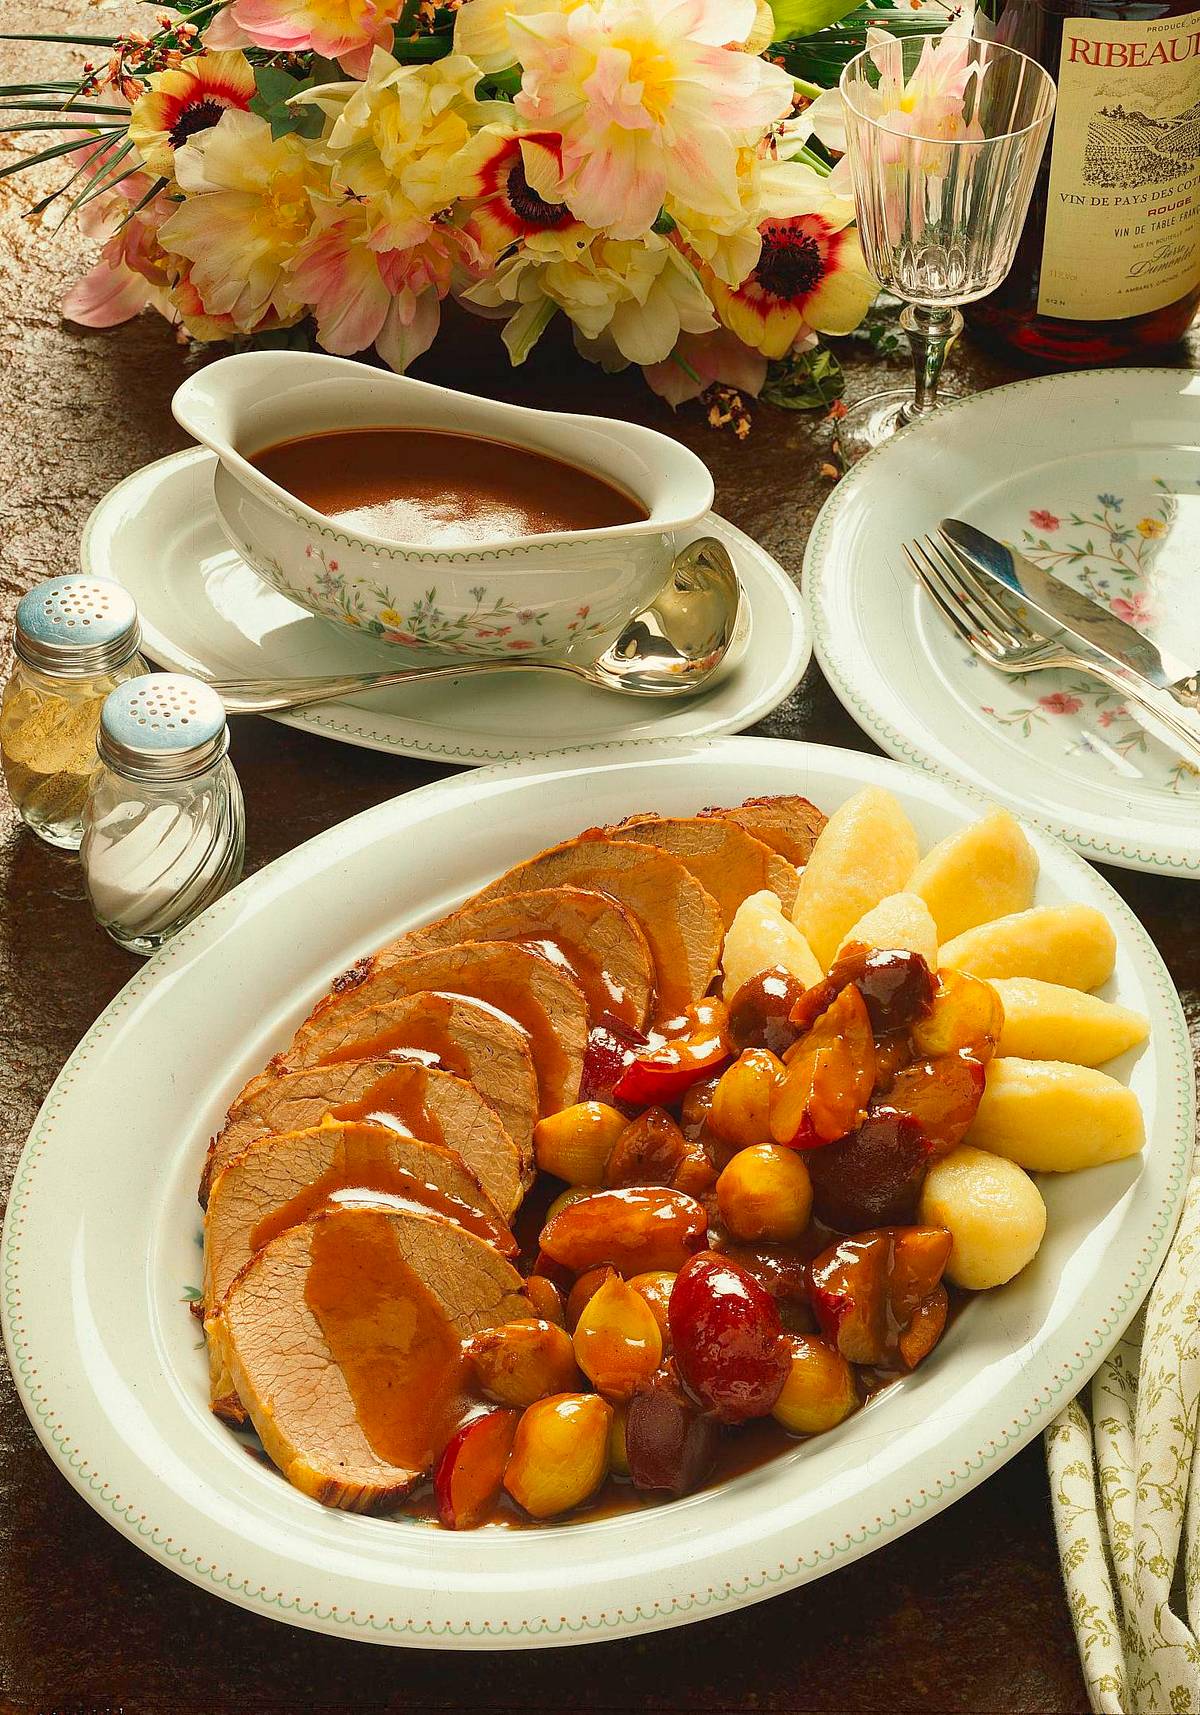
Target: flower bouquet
(663,173)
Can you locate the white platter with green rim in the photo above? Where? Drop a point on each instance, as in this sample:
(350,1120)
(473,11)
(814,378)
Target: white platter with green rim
(1095,476)
(205,611)
(101,1243)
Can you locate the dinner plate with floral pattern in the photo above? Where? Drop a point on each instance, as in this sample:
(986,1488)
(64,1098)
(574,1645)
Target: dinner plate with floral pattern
(101,1249)
(204,611)
(1095,476)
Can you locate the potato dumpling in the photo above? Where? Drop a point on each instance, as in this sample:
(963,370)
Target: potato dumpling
(992,1210)
(986,870)
(759,937)
(866,850)
(1069,944)
(1052,1117)
(900,920)
(1045,1021)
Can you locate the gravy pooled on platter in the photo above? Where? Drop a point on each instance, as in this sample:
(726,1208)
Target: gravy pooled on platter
(434,489)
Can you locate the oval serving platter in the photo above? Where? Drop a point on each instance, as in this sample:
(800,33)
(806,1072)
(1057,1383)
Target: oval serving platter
(101,1250)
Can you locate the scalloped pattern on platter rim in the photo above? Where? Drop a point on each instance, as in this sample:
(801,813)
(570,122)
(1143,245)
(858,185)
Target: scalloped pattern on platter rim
(1159,858)
(285,1605)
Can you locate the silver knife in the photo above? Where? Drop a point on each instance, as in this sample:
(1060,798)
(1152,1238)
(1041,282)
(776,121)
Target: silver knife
(1075,613)
(1156,708)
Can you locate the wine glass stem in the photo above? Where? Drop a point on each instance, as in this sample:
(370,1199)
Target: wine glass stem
(929,334)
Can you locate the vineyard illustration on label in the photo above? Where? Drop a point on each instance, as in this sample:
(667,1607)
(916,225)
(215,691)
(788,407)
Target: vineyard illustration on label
(1126,149)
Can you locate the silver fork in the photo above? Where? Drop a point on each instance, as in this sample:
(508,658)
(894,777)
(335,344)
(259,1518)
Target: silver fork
(999,637)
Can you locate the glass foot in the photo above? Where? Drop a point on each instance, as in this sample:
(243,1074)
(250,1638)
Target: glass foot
(871,421)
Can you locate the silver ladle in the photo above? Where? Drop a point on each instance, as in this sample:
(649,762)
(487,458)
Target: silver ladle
(671,649)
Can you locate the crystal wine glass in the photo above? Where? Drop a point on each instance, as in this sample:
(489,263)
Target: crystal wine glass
(944,140)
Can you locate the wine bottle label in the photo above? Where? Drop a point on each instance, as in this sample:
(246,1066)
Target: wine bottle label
(1123,205)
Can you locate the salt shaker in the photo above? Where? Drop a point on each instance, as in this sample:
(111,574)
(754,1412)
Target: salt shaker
(76,639)
(164,828)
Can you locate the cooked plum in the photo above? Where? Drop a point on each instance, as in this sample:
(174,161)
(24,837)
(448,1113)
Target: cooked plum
(759,1012)
(967,1018)
(941,1095)
(466,1482)
(896,984)
(611,1045)
(829,1078)
(669,1443)
(730,1349)
(697,1045)
(866,1292)
(872,1177)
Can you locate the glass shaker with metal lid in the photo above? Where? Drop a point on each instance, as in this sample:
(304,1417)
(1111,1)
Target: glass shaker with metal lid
(76,639)
(164,828)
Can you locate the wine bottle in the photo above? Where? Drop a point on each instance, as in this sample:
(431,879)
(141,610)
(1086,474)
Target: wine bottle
(1108,266)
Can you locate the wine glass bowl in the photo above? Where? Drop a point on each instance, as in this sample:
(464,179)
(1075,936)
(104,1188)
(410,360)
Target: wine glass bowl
(943,142)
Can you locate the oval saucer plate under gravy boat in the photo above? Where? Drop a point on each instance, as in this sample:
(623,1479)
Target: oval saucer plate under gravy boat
(100,1249)
(205,611)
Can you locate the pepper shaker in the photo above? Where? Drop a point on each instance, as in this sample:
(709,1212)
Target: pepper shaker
(76,639)
(164,828)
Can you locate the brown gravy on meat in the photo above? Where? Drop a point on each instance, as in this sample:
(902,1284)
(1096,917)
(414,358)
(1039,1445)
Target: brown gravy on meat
(397,1349)
(433,489)
(398,1100)
(362,1172)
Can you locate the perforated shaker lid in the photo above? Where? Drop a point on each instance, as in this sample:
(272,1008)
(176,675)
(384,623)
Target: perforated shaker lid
(163,726)
(76,626)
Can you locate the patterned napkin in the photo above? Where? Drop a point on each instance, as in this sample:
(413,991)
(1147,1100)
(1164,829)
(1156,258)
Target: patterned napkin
(1127,1500)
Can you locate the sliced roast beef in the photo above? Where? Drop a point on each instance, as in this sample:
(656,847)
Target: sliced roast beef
(592,934)
(679,918)
(282,1180)
(342,1337)
(520,985)
(463,1036)
(433,1105)
(726,860)
(786,822)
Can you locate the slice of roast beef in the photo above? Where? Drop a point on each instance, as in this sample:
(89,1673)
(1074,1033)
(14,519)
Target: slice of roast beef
(433,1105)
(281,1180)
(727,861)
(592,934)
(520,985)
(343,1336)
(462,1036)
(786,822)
(679,918)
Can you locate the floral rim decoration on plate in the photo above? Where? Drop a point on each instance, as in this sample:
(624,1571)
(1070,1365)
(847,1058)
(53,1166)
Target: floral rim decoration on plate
(1108,550)
(666,173)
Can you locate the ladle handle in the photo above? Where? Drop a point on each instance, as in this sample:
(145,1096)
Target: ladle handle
(267,696)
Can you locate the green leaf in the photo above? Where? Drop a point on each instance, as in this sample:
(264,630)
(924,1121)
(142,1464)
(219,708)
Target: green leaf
(821,58)
(275,89)
(810,381)
(499,85)
(806,17)
(418,50)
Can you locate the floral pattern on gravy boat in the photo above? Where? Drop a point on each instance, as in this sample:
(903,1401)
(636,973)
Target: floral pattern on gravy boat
(1107,547)
(541,594)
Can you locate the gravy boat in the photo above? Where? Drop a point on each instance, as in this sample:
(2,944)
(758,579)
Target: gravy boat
(552,595)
